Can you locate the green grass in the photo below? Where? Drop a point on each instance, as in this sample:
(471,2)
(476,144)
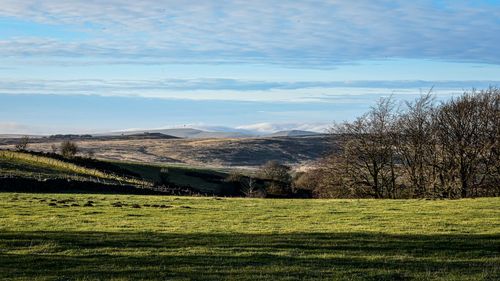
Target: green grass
(246,239)
(198,178)
(28,165)
(24,164)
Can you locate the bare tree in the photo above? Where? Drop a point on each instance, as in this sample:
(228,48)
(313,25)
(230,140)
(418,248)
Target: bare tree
(417,144)
(488,171)
(467,128)
(450,150)
(334,178)
(491,154)
(23,143)
(369,150)
(249,187)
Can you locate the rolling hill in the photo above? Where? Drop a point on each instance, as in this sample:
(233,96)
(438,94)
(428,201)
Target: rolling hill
(186,133)
(293,133)
(48,172)
(206,152)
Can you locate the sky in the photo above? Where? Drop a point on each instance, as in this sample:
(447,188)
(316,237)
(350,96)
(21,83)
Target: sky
(95,66)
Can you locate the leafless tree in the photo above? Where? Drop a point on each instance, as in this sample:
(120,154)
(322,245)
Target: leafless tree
(426,150)
(417,144)
(249,186)
(334,179)
(23,143)
(369,150)
(467,129)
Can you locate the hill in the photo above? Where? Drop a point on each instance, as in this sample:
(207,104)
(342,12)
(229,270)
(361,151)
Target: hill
(186,133)
(48,172)
(293,133)
(26,164)
(212,152)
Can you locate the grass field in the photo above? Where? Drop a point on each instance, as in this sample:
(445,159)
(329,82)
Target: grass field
(182,238)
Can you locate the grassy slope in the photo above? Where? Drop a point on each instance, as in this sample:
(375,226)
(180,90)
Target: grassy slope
(197,178)
(28,165)
(25,164)
(247,239)
(35,166)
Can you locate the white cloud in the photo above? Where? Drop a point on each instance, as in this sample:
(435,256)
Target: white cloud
(249,129)
(315,33)
(266,128)
(238,90)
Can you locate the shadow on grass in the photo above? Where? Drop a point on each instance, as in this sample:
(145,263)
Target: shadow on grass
(303,256)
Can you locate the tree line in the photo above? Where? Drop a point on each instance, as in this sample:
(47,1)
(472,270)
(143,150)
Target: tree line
(422,149)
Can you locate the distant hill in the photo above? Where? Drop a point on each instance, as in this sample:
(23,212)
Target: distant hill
(17,136)
(209,135)
(185,133)
(145,135)
(293,133)
(12,139)
(206,152)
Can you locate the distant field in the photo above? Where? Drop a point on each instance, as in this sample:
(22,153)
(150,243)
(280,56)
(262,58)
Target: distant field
(184,238)
(237,152)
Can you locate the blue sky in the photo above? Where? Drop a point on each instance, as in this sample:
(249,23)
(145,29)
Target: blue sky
(91,66)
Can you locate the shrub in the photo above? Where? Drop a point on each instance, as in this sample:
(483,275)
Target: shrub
(275,171)
(23,143)
(69,149)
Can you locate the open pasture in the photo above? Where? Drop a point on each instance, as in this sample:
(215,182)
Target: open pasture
(122,237)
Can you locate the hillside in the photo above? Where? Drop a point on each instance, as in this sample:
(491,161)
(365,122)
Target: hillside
(31,165)
(185,133)
(293,133)
(214,152)
(47,172)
